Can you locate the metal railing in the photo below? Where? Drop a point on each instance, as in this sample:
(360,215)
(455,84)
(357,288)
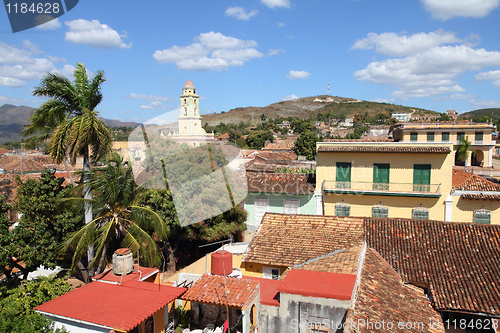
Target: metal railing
(409,188)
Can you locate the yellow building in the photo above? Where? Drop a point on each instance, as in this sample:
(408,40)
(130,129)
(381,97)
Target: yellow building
(399,180)
(480,136)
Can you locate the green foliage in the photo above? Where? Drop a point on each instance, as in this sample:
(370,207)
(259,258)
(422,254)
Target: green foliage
(184,317)
(42,226)
(119,221)
(463,149)
(295,170)
(257,139)
(16,305)
(300,126)
(306,145)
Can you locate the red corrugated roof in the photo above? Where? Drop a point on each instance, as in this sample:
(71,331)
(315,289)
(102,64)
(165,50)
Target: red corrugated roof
(116,306)
(318,284)
(137,275)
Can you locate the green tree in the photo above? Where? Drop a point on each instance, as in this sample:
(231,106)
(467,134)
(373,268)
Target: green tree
(70,113)
(306,145)
(209,230)
(41,228)
(17,304)
(119,221)
(463,150)
(257,139)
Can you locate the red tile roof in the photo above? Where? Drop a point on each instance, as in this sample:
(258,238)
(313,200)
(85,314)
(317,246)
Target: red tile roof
(137,275)
(383,297)
(383,149)
(459,261)
(279,145)
(220,290)
(114,306)
(287,183)
(307,237)
(466,181)
(318,284)
(275,155)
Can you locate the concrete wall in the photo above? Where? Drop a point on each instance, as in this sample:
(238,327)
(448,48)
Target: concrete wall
(276,205)
(76,327)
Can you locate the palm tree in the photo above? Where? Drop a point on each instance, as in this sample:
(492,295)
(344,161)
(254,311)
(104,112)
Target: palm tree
(119,220)
(70,120)
(463,149)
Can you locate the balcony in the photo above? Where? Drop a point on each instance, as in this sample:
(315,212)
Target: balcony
(386,189)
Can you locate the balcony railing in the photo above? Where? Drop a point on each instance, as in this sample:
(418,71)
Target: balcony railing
(391,189)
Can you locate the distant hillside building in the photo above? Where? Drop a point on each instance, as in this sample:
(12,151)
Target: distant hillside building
(452,114)
(190,130)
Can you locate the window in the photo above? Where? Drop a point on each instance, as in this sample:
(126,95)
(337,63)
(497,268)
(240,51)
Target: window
(291,206)
(381,176)
(260,208)
(430,136)
(479,136)
(342,210)
(270,273)
(413,136)
(343,175)
(420,213)
(482,216)
(421,177)
(460,136)
(380,211)
(445,137)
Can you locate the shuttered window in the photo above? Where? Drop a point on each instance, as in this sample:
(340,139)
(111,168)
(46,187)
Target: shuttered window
(381,176)
(482,216)
(421,177)
(342,210)
(414,136)
(380,211)
(445,137)
(343,175)
(420,213)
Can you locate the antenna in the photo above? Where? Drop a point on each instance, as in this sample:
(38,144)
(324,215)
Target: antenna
(328,90)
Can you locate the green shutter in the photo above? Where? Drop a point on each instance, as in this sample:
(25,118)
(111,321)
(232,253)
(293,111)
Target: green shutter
(420,214)
(421,177)
(413,136)
(445,136)
(460,136)
(343,175)
(342,210)
(479,136)
(430,136)
(482,216)
(379,211)
(381,176)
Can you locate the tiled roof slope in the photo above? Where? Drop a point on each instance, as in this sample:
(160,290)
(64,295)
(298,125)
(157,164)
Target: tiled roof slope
(340,261)
(383,149)
(280,145)
(287,183)
(212,289)
(382,297)
(288,240)
(459,261)
(466,181)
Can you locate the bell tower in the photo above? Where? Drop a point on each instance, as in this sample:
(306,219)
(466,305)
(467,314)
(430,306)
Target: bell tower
(189,117)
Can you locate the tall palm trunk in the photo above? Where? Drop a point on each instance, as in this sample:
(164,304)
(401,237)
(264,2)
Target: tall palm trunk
(87,194)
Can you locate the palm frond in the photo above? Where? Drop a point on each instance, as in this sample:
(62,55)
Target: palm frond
(137,239)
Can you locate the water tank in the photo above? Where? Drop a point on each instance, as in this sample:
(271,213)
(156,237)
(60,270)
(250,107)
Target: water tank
(123,262)
(222,263)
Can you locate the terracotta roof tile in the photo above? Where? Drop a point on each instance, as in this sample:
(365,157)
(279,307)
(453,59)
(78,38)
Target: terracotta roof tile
(288,240)
(289,183)
(383,297)
(466,181)
(459,261)
(212,289)
(280,145)
(343,261)
(275,155)
(383,149)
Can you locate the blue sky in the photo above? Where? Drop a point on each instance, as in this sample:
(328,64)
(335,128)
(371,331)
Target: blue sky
(432,54)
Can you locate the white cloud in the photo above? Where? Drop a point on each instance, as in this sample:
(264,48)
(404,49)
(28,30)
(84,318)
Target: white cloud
(240,13)
(455,96)
(281,24)
(148,97)
(426,72)
(289,97)
(485,104)
(67,70)
(493,76)
(13,101)
(384,100)
(31,46)
(392,44)
(272,52)
(210,51)
(153,105)
(95,34)
(47,22)
(276,3)
(298,75)
(447,9)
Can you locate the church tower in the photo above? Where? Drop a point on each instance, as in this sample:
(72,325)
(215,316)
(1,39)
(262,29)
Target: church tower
(189,117)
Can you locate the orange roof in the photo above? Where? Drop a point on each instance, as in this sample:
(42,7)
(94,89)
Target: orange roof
(466,181)
(212,289)
(318,284)
(112,306)
(280,145)
(189,84)
(137,275)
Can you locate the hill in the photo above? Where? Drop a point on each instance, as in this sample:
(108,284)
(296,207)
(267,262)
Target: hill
(493,113)
(13,118)
(308,107)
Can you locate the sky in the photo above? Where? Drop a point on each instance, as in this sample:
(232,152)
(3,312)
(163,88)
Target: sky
(431,54)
